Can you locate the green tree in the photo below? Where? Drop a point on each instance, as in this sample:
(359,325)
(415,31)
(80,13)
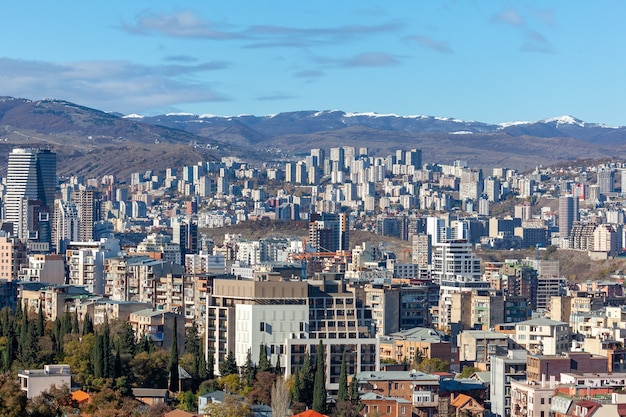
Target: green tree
(467,371)
(248,370)
(228,365)
(173,365)
(342,390)
(319,387)
(210,365)
(231,407)
(40,320)
(12,398)
(150,370)
(430,365)
(306,381)
(264,362)
(87,324)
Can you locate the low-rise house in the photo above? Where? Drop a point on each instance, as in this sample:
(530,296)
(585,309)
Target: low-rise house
(151,396)
(36,381)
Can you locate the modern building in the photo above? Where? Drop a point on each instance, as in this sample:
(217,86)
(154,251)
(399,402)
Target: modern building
(35,381)
(543,336)
(31,181)
(503,370)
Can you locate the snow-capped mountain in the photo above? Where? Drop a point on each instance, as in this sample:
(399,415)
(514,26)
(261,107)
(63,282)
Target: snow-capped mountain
(302,122)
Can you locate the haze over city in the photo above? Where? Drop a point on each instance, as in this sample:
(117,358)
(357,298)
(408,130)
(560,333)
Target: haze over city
(487,61)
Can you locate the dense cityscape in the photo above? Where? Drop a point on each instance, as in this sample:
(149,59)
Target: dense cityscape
(119,297)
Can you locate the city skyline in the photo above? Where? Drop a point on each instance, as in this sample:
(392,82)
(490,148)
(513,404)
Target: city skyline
(490,61)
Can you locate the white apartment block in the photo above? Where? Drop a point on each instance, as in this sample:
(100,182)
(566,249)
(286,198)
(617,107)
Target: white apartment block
(542,336)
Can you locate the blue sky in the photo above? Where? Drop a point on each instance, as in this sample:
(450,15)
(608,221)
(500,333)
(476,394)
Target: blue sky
(491,61)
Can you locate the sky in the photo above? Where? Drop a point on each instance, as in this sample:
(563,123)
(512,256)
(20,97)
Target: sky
(488,61)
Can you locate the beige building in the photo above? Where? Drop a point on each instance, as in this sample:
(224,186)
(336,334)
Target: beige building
(479,345)
(12,257)
(542,336)
(531,399)
(158,327)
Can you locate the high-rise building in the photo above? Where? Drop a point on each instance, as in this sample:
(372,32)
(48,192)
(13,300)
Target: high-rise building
(328,232)
(568,214)
(185,233)
(86,202)
(606,180)
(31,181)
(65,225)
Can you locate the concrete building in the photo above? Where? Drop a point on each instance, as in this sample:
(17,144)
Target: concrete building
(480,346)
(85,263)
(12,256)
(406,345)
(543,336)
(503,370)
(35,381)
(158,327)
(31,177)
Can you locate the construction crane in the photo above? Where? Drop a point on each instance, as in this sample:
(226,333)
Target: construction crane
(305,257)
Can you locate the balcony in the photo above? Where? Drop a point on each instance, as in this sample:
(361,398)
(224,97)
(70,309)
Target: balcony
(424,399)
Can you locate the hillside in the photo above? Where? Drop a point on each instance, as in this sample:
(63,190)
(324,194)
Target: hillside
(136,143)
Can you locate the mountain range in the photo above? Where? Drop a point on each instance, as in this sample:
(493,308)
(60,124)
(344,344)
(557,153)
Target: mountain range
(93,142)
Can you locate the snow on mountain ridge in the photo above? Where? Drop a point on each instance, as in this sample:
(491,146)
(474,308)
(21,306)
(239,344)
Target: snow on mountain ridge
(564,120)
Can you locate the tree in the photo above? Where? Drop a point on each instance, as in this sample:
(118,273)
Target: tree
(210,365)
(342,390)
(12,398)
(87,324)
(231,407)
(173,365)
(150,369)
(319,387)
(54,402)
(430,365)
(248,371)
(306,378)
(280,399)
(467,371)
(278,369)
(262,391)
(228,365)
(264,363)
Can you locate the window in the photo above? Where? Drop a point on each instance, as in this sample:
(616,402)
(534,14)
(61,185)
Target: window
(388,409)
(262,326)
(403,410)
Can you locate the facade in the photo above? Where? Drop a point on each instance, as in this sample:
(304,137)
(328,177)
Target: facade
(31,177)
(85,263)
(12,256)
(35,381)
(158,327)
(543,336)
(405,346)
(503,370)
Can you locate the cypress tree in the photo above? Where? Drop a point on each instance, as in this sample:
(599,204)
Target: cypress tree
(278,370)
(319,387)
(295,389)
(307,376)
(229,365)
(117,364)
(210,365)
(264,363)
(355,397)
(248,371)
(75,329)
(40,320)
(96,358)
(107,359)
(203,372)
(87,324)
(174,377)
(342,391)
